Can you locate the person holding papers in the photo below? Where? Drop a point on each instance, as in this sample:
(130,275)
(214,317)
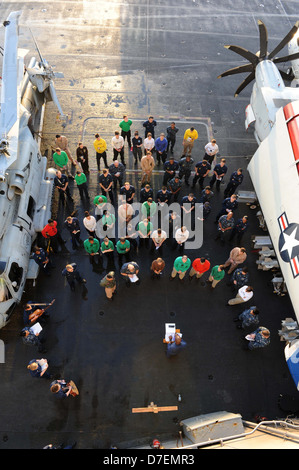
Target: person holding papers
(130,272)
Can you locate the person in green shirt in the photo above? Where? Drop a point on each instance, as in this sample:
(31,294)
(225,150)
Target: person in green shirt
(81,181)
(60,158)
(217,273)
(123,249)
(144,228)
(125,125)
(107,248)
(108,221)
(180,266)
(149,208)
(92,247)
(100,203)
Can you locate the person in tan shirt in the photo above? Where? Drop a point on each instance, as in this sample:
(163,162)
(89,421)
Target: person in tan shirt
(147,164)
(237,256)
(62,142)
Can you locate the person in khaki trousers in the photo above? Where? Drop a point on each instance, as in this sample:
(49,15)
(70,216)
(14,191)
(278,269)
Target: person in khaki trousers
(109,283)
(216,275)
(147,164)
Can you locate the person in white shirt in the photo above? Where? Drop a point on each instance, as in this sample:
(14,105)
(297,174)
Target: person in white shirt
(158,238)
(90,223)
(148,144)
(244,294)
(118,147)
(211,149)
(181,236)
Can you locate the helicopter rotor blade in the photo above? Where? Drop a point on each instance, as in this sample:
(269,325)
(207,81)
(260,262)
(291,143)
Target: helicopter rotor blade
(263,39)
(37,48)
(285,40)
(245,82)
(235,70)
(244,53)
(286,58)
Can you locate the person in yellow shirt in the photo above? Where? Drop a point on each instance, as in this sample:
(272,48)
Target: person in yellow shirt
(100,148)
(189,137)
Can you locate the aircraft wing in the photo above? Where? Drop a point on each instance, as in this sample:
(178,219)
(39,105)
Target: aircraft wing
(274,170)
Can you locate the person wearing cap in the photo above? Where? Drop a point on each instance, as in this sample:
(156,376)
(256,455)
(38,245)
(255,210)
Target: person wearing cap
(137,147)
(92,247)
(170,167)
(175,345)
(259,338)
(199,267)
(180,266)
(185,167)
(161,148)
(219,171)
(149,126)
(188,142)
(216,275)
(172,131)
(145,193)
(130,272)
(109,283)
(211,150)
(249,317)
(157,267)
(123,249)
(38,368)
(100,147)
(174,186)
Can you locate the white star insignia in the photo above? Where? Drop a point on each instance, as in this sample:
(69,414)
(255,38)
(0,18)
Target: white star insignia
(290,242)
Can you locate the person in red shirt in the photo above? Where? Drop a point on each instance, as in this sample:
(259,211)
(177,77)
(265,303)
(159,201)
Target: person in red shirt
(199,267)
(50,232)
